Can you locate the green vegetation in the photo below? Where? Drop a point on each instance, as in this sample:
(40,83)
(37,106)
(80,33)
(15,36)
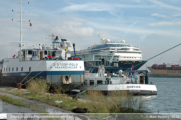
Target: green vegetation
(9,88)
(96,102)
(12,101)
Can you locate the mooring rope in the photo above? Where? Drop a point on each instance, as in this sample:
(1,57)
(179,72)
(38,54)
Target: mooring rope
(129,68)
(39,73)
(31,72)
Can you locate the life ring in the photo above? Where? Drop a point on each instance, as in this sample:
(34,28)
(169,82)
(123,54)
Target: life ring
(73,58)
(86,72)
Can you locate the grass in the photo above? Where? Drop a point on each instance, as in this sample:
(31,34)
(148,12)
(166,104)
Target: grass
(12,101)
(9,88)
(96,102)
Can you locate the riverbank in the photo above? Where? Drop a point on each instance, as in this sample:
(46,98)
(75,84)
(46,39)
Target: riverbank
(95,102)
(24,93)
(10,92)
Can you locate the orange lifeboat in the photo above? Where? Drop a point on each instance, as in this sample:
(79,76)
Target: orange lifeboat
(73,58)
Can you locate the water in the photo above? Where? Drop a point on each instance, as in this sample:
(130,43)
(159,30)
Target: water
(168,99)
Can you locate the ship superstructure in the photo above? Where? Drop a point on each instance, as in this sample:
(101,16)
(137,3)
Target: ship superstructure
(117,54)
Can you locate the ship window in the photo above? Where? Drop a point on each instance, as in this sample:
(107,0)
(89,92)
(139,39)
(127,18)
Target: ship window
(21,68)
(91,82)
(45,52)
(12,68)
(29,68)
(16,68)
(85,82)
(29,52)
(99,82)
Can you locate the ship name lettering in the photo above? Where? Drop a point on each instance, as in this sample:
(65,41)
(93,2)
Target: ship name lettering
(133,86)
(65,65)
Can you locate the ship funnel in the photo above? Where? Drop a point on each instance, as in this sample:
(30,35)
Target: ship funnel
(74,48)
(56,38)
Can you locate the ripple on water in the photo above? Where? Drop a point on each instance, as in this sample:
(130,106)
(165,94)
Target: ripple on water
(168,99)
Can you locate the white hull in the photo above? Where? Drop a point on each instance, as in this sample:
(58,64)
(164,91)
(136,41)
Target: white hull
(14,71)
(138,89)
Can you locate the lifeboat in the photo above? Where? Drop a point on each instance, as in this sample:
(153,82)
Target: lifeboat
(73,58)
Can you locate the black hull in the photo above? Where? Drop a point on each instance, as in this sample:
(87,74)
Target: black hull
(92,66)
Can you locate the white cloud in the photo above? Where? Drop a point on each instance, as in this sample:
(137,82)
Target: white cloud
(159,15)
(139,31)
(161,4)
(129,28)
(87,7)
(176,15)
(100,7)
(165,23)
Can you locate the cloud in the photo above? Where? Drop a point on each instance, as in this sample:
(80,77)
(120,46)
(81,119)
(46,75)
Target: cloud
(130,26)
(176,15)
(100,7)
(159,15)
(87,7)
(137,30)
(161,4)
(165,23)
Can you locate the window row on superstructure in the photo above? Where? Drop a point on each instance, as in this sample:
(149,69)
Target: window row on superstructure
(15,69)
(109,45)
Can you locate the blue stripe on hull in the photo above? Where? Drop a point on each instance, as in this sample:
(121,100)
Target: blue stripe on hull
(45,73)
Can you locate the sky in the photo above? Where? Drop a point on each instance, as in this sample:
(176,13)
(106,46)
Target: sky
(152,25)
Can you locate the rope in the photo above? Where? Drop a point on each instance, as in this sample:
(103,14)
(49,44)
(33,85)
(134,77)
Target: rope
(129,68)
(154,56)
(39,73)
(31,72)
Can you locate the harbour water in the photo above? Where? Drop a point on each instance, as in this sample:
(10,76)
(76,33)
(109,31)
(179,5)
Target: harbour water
(168,99)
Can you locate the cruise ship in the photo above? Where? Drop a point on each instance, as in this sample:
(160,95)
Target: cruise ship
(115,55)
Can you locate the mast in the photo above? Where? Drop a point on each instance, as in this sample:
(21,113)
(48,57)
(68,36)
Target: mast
(20,24)
(21,31)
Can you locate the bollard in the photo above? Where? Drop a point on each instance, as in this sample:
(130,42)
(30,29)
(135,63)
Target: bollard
(19,86)
(74,92)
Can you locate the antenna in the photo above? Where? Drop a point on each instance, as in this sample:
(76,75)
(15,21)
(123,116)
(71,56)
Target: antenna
(20,43)
(53,36)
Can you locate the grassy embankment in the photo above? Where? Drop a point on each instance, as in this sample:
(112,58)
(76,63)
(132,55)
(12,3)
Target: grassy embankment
(13,101)
(96,102)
